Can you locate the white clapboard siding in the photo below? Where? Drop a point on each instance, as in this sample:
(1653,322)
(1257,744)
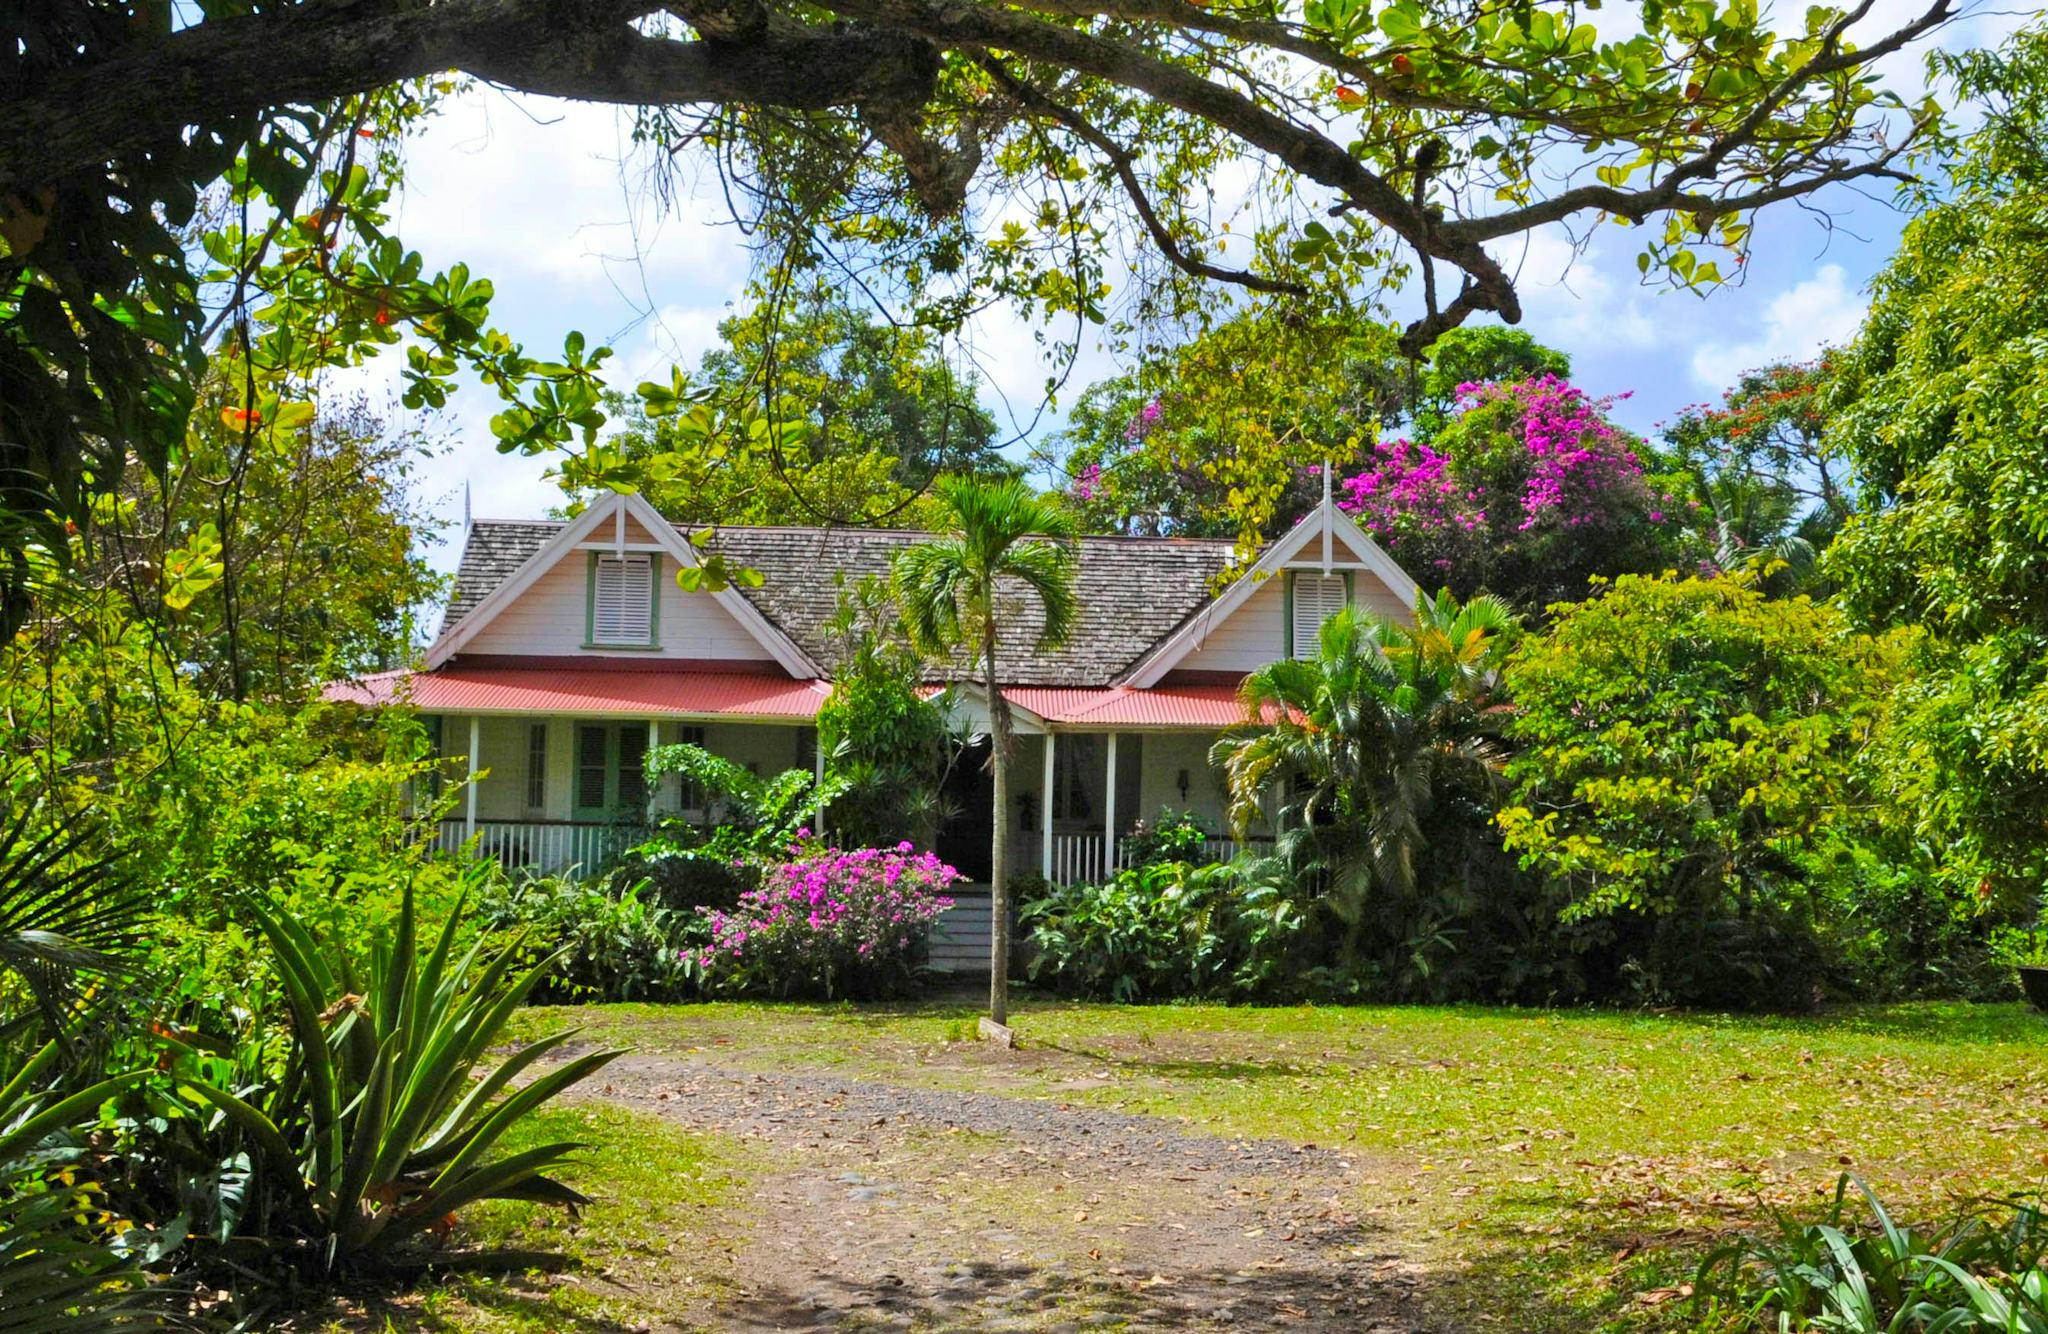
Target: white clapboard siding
(548,618)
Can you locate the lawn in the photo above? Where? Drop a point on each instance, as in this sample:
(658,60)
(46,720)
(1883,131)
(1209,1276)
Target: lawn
(654,1246)
(1547,1169)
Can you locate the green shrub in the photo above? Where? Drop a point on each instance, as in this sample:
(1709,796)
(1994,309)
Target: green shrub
(606,942)
(1170,836)
(1981,1271)
(883,739)
(1685,748)
(1166,931)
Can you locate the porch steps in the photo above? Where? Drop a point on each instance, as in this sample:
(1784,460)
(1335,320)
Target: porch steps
(960,936)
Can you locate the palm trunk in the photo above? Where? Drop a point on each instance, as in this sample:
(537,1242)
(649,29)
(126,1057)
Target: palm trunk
(999,852)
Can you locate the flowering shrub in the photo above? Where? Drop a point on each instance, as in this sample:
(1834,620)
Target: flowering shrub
(1529,491)
(831,923)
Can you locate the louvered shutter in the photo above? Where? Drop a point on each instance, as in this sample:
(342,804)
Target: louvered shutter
(622,600)
(1316,599)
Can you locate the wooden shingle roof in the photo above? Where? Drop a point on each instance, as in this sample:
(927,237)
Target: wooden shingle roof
(1130,592)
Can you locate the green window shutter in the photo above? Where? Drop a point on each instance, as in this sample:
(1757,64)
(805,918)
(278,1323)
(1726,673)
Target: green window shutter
(632,793)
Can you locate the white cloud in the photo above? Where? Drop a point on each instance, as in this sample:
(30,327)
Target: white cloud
(1821,311)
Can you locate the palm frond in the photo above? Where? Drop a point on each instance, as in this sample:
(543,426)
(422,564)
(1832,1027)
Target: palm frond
(68,912)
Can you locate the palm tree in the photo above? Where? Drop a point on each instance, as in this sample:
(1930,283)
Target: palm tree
(1386,722)
(953,592)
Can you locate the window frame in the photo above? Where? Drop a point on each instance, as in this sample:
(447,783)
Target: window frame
(1288,646)
(653,640)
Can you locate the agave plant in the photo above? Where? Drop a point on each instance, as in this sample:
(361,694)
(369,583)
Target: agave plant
(379,1128)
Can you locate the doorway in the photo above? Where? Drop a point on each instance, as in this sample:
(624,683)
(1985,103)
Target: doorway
(970,796)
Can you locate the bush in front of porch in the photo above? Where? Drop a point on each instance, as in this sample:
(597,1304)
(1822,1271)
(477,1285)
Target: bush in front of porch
(829,922)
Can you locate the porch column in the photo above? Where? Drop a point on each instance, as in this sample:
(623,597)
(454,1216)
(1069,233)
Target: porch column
(653,789)
(818,787)
(1045,807)
(475,759)
(1109,814)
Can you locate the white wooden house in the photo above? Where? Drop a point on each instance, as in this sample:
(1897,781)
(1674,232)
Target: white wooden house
(568,648)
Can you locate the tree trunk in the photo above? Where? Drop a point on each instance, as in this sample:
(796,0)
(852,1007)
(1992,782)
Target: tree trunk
(999,851)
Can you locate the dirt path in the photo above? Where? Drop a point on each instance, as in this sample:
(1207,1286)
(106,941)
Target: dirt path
(913,1208)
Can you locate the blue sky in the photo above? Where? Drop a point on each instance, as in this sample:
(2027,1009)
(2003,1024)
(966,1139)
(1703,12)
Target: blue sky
(538,196)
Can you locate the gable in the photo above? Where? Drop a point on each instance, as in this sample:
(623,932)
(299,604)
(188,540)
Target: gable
(1249,624)
(576,595)
(550,618)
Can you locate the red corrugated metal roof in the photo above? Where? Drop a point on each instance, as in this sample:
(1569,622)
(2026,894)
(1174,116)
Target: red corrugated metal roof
(1161,706)
(590,691)
(642,690)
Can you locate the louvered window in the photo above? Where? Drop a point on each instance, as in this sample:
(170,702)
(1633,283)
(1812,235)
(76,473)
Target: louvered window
(622,600)
(1313,599)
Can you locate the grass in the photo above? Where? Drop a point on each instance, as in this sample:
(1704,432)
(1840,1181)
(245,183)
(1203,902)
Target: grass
(1552,1169)
(652,1251)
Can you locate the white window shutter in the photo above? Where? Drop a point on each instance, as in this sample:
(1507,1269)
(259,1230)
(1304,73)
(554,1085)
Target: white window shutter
(1316,599)
(622,602)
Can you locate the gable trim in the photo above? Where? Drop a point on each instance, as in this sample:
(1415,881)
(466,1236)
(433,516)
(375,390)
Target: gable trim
(579,531)
(1329,525)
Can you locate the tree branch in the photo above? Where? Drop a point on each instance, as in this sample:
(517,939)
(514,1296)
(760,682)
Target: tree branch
(1120,162)
(587,49)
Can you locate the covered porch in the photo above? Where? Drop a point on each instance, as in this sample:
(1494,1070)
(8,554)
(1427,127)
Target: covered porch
(559,760)
(560,792)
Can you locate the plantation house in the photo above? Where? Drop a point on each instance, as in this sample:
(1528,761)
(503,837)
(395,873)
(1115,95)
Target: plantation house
(568,649)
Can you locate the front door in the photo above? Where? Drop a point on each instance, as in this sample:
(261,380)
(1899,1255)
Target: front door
(970,794)
(611,780)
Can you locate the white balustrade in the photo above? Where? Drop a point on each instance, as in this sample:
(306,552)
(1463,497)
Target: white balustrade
(544,846)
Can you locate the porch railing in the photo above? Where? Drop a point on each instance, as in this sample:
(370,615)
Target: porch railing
(543,846)
(1080,858)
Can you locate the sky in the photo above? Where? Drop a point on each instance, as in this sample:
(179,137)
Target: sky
(540,197)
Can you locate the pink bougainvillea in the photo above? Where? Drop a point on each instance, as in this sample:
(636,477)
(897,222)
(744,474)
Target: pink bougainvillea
(1526,491)
(830,922)
(1576,458)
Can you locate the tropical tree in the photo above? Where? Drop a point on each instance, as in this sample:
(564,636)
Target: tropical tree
(810,410)
(1476,354)
(1006,549)
(1377,745)
(858,138)
(1939,404)
(1528,491)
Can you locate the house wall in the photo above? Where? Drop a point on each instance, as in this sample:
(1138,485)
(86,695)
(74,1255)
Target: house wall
(548,619)
(1165,755)
(766,748)
(1249,638)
